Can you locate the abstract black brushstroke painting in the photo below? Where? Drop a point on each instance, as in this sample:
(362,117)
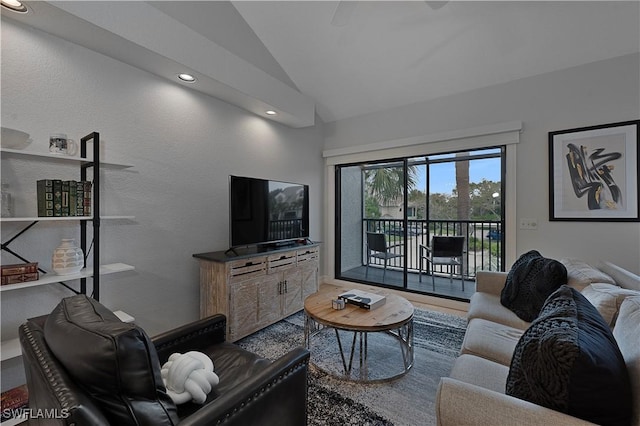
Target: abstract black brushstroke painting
(593,173)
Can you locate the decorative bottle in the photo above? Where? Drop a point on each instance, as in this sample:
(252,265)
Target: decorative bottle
(67,258)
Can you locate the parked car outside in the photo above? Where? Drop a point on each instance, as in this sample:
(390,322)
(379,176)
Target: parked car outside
(494,235)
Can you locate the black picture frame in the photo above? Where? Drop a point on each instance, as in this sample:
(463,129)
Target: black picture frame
(593,173)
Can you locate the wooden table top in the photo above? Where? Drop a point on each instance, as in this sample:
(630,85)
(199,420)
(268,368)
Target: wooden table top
(394,313)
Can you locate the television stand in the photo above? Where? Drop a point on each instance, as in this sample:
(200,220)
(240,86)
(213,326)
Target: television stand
(255,289)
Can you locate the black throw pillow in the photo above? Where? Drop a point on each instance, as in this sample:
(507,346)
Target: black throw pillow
(530,281)
(113,361)
(569,361)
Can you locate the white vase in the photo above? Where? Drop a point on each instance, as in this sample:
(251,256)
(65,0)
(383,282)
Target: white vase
(67,258)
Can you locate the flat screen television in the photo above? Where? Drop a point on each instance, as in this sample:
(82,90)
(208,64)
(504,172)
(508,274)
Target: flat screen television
(267,212)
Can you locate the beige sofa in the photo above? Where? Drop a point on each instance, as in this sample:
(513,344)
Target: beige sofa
(474,393)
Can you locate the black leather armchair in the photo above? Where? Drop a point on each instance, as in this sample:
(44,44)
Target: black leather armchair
(252,390)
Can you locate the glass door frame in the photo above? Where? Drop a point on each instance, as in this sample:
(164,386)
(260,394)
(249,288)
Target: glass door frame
(405,163)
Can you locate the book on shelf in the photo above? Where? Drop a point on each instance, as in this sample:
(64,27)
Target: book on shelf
(63,198)
(64,201)
(57,197)
(72,188)
(45,197)
(79,205)
(87,197)
(19,273)
(13,402)
(363,299)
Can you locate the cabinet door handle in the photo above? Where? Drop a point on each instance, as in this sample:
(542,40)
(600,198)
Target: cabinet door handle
(285,287)
(279,287)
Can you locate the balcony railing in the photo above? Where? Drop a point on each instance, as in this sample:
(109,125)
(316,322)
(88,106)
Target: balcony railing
(484,242)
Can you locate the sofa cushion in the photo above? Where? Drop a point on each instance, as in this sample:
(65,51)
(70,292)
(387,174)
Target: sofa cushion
(580,274)
(622,277)
(490,340)
(113,361)
(488,306)
(233,365)
(480,372)
(627,334)
(530,281)
(607,299)
(569,361)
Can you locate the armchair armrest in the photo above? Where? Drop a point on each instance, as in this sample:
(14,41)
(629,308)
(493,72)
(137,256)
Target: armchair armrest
(459,403)
(51,388)
(275,396)
(193,336)
(490,282)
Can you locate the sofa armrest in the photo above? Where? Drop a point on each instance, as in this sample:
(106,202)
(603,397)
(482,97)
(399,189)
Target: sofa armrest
(275,396)
(194,336)
(490,282)
(459,403)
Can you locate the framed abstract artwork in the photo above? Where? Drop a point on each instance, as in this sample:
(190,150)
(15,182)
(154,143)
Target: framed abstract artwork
(593,173)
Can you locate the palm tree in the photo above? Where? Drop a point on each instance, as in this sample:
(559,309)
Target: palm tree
(464,198)
(386,183)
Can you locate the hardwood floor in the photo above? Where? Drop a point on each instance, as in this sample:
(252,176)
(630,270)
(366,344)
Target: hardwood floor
(425,299)
(421,301)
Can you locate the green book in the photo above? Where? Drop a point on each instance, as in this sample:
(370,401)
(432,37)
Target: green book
(57,197)
(45,197)
(73,188)
(79,198)
(64,210)
(87,197)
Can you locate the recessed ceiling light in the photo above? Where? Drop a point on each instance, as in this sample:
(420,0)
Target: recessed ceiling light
(14,5)
(187,77)
(271,112)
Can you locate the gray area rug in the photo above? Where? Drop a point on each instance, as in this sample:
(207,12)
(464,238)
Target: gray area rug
(406,401)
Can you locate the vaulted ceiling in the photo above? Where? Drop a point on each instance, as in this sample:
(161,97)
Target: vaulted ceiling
(344,59)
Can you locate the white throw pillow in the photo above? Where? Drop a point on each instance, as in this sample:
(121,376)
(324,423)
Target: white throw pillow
(580,274)
(607,299)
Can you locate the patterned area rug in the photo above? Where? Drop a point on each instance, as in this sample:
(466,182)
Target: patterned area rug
(406,401)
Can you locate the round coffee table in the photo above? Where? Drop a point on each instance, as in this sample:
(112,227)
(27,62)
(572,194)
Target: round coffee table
(394,319)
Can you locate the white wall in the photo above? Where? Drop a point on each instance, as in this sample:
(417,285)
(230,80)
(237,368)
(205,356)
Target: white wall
(597,93)
(183,144)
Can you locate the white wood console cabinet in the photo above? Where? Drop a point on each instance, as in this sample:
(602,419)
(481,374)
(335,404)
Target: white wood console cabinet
(256,289)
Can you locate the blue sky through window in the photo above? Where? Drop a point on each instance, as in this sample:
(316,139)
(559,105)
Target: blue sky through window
(443,175)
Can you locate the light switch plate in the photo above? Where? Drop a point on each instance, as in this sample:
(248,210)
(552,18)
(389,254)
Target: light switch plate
(528,223)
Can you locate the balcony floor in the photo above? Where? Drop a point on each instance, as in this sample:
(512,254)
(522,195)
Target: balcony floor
(444,287)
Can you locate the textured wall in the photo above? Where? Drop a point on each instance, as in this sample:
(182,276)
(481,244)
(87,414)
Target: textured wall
(183,146)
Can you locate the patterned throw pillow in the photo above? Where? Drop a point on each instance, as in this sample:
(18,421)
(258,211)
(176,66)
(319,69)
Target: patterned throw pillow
(569,361)
(530,281)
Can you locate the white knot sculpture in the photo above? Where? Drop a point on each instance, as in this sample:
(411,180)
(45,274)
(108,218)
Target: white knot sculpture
(189,377)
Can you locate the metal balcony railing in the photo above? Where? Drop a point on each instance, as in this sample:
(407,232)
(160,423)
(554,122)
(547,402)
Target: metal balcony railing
(484,242)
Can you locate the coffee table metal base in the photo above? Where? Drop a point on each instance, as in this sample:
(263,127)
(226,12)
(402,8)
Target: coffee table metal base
(360,340)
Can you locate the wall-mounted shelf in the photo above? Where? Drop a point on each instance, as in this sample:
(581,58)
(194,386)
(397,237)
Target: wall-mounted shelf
(15,421)
(10,349)
(65,218)
(52,278)
(59,157)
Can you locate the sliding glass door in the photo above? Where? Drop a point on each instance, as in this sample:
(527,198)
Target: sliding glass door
(370,228)
(388,211)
